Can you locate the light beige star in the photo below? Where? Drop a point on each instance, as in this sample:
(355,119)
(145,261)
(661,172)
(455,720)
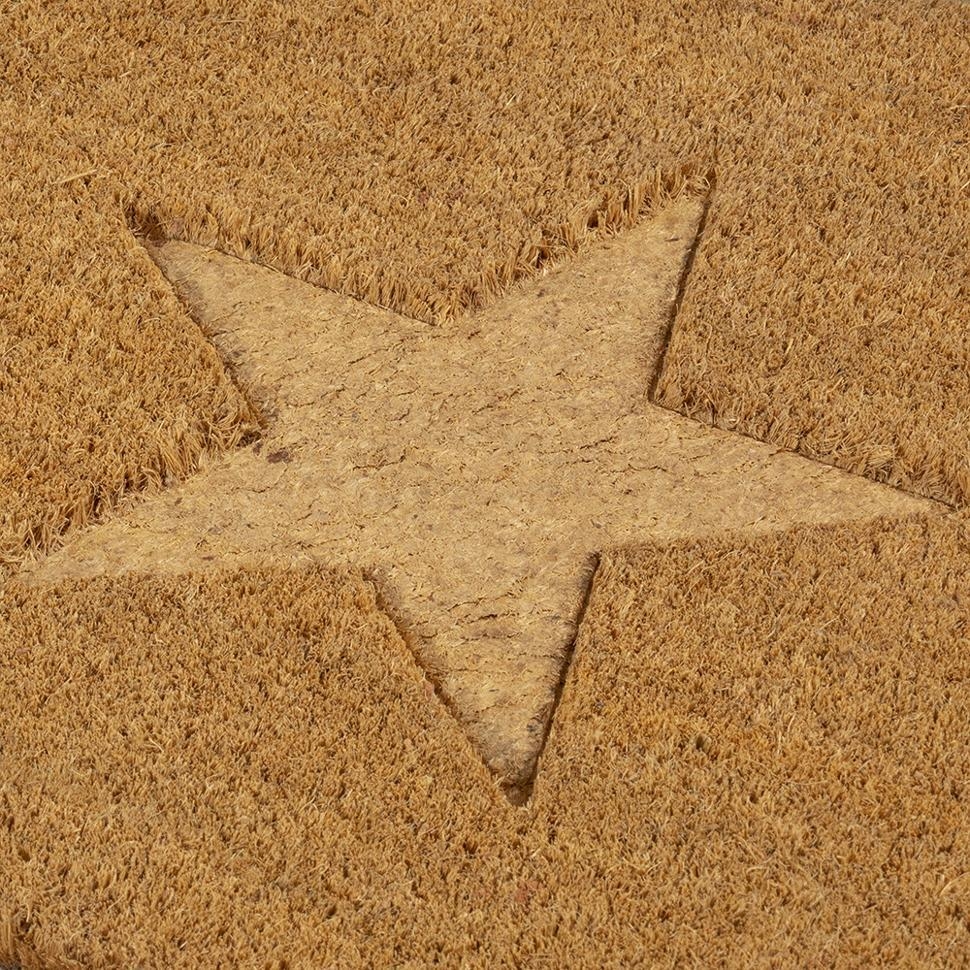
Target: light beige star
(474,469)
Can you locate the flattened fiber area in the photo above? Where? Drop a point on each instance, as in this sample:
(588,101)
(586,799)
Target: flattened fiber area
(424,155)
(760,758)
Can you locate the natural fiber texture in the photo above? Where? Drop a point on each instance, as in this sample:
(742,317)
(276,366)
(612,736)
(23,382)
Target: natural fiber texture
(827,307)
(422,156)
(760,759)
(239,771)
(105,384)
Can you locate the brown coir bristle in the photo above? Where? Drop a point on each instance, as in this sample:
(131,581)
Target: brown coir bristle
(760,759)
(422,156)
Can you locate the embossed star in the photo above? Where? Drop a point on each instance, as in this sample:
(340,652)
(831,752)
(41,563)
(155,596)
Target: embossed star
(473,469)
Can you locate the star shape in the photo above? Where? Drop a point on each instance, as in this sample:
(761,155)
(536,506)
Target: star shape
(474,469)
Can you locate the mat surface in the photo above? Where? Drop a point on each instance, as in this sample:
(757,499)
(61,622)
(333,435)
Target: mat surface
(761,753)
(474,468)
(422,158)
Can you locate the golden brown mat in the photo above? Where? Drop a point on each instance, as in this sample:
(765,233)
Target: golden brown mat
(423,155)
(760,758)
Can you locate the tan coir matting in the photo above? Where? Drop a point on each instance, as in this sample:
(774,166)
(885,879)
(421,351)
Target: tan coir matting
(422,156)
(760,758)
